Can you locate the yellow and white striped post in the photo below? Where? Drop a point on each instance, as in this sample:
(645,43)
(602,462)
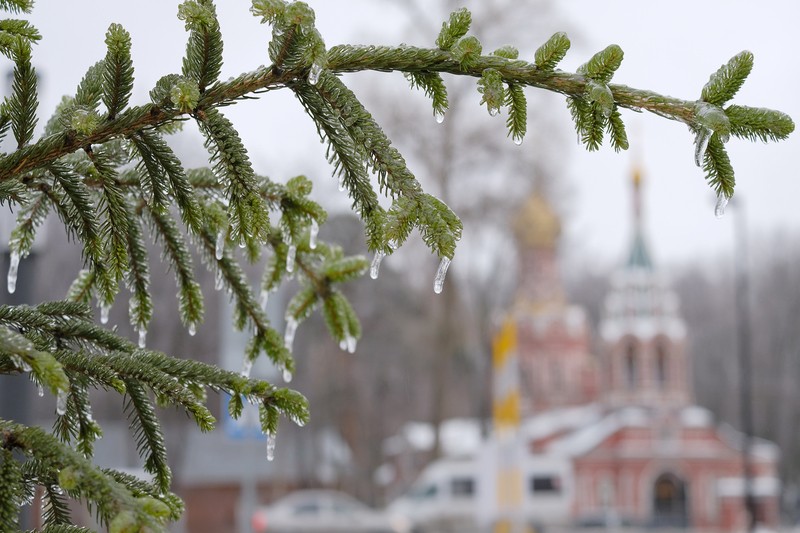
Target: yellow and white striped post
(506,415)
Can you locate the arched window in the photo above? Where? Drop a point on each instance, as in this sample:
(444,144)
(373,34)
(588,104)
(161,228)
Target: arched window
(631,365)
(662,364)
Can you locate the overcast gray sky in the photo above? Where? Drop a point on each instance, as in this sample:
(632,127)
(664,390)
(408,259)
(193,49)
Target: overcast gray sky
(670,47)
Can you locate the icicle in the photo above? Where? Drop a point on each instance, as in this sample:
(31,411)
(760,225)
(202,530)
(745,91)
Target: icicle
(700,145)
(61,403)
(247,366)
(13,267)
(40,390)
(287,375)
(313,231)
(518,140)
(263,299)
(270,447)
(219,247)
(341,182)
(494,111)
(375,267)
(439,116)
(343,345)
(105,309)
(288,334)
(142,336)
(313,73)
(438,282)
(290,256)
(218,281)
(192,329)
(722,203)
(350,344)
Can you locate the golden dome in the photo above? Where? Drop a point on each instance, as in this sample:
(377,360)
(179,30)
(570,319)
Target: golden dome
(536,225)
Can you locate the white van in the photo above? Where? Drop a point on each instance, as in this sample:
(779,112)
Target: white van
(460,494)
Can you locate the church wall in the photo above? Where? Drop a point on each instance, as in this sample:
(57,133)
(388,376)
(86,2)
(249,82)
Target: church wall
(621,473)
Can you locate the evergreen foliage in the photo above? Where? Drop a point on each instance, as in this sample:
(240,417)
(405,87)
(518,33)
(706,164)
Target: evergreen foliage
(106,170)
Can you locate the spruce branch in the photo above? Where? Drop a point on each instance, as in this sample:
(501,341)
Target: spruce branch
(348,159)
(10,29)
(454,29)
(80,211)
(114,226)
(29,219)
(603,64)
(16,6)
(12,488)
(110,498)
(394,176)
(55,511)
(152,180)
(138,275)
(90,88)
(347,58)
(492,90)
(23,102)
(552,52)
(106,174)
(203,60)
(64,528)
(177,254)
(517,121)
(718,169)
(757,123)
(147,432)
(117,70)
(616,131)
(434,88)
(726,82)
(247,310)
(248,216)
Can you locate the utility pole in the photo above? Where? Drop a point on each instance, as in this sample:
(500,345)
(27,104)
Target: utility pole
(745,356)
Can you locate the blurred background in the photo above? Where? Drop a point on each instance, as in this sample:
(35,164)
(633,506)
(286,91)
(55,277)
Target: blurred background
(625,340)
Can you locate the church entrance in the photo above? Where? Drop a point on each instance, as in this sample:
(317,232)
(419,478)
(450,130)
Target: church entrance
(670,507)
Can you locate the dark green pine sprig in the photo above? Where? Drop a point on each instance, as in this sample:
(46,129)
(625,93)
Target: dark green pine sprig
(713,124)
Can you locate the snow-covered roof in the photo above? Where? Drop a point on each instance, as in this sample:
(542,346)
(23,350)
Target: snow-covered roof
(696,416)
(759,448)
(587,438)
(459,437)
(761,486)
(643,327)
(586,429)
(555,421)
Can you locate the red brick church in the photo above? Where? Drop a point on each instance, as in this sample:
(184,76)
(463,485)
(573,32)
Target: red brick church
(633,448)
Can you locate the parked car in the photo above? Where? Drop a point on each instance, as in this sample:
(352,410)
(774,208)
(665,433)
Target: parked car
(311,511)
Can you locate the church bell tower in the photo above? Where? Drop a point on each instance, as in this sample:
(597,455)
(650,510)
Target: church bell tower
(642,329)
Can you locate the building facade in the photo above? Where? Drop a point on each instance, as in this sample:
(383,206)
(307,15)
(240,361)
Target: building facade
(639,451)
